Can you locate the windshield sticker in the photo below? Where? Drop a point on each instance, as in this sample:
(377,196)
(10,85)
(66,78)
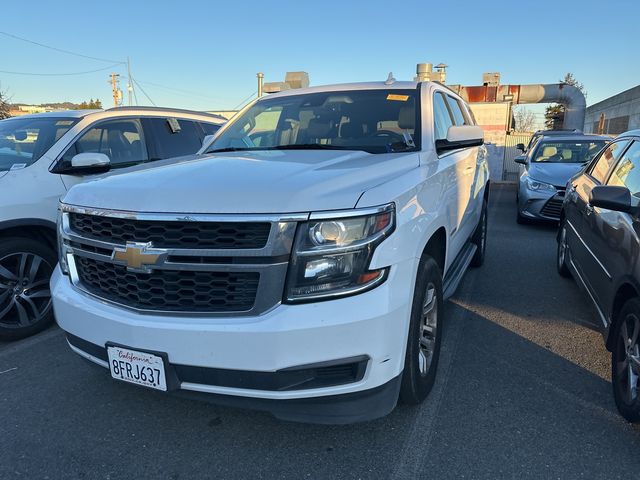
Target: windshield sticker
(398,98)
(64,122)
(18,166)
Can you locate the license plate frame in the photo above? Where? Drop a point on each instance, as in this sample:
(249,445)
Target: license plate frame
(156,361)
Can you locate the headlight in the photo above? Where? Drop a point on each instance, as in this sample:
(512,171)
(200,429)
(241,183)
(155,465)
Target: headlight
(331,256)
(538,186)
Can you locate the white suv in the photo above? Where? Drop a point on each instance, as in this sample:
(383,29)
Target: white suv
(300,267)
(41,156)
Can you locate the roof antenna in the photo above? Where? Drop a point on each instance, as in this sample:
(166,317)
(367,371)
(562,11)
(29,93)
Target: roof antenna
(390,80)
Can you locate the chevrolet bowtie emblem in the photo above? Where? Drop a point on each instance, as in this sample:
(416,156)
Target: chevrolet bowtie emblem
(137,256)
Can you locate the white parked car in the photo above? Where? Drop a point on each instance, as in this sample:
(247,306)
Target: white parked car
(300,267)
(41,156)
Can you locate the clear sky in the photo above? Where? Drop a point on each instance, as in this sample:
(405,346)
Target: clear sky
(204,54)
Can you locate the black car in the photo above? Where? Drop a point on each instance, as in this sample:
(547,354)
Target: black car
(599,245)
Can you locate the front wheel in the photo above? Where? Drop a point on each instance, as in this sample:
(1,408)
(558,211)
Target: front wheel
(625,361)
(25,300)
(425,334)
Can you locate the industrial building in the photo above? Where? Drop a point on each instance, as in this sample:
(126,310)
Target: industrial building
(616,114)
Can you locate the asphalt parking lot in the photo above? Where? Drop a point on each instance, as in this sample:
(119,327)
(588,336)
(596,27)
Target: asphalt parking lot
(522,392)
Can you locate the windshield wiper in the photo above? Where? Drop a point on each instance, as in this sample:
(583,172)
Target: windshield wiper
(232,149)
(311,146)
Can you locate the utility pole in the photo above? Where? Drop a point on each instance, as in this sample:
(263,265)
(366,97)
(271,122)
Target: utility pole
(117,93)
(130,82)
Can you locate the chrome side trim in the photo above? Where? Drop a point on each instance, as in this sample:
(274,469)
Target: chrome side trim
(590,251)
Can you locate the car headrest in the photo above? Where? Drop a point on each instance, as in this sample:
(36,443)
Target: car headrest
(351,130)
(407,118)
(318,128)
(567,153)
(549,151)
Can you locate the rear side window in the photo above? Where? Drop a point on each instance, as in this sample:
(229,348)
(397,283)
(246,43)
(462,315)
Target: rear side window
(442,117)
(627,171)
(173,137)
(606,159)
(455,108)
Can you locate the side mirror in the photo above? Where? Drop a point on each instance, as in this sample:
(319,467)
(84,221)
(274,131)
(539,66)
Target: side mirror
(521,159)
(462,136)
(90,162)
(520,146)
(206,143)
(611,197)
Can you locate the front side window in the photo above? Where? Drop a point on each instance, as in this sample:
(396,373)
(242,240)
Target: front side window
(627,171)
(121,140)
(441,117)
(375,121)
(567,151)
(606,159)
(455,108)
(25,140)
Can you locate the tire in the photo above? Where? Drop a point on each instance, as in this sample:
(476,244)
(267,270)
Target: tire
(25,299)
(425,334)
(479,238)
(520,219)
(561,256)
(625,361)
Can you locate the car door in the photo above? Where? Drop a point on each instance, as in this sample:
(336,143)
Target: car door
(121,139)
(169,137)
(613,235)
(452,165)
(581,231)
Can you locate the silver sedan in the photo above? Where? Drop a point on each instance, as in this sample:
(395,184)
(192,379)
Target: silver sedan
(546,169)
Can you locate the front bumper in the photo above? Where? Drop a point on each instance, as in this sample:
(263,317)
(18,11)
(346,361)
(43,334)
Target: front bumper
(541,205)
(369,329)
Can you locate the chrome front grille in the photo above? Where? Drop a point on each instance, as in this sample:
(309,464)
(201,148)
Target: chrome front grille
(217,265)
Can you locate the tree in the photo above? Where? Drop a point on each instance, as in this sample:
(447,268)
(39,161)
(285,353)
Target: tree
(90,105)
(4,105)
(554,113)
(525,119)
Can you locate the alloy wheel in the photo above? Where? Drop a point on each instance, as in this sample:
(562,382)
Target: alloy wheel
(25,297)
(627,369)
(428,330)
(562,247)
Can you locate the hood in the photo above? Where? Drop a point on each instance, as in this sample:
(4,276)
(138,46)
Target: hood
(267,181)
(557,174)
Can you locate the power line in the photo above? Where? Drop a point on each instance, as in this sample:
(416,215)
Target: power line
(180,90)
(68,52)
(142,90)
(38,74)
(243,102)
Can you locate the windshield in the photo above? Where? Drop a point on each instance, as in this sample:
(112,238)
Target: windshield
(376,121)
(25,140)
(567,151)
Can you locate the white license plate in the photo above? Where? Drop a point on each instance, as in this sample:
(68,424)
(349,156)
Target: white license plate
(137,367)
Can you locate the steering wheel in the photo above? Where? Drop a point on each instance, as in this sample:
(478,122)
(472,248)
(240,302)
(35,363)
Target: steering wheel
(394,136)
